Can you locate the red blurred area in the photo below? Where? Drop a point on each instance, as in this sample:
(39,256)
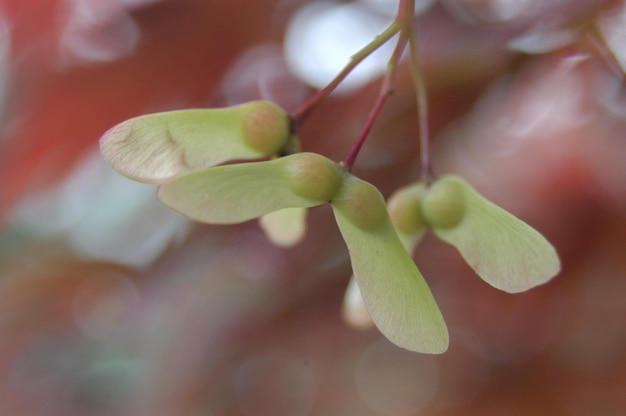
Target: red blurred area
(59,109)
(223,323)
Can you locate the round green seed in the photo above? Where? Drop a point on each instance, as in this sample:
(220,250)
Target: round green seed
(404,209)
(313,176)
(443,205)
(266,127)
(362,204)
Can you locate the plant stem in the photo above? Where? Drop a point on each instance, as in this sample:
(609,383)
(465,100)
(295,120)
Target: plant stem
(385,91)
(426,175)
(406,9)
(404,20)
(305,109)
(607,55)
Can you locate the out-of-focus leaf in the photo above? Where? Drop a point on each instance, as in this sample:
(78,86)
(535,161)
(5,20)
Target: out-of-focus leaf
(157,147)
(503,250)
(394,291)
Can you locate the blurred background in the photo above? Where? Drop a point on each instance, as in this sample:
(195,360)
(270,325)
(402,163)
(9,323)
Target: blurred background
(110,304)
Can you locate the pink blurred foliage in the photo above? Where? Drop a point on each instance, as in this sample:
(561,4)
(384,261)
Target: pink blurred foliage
(220,322)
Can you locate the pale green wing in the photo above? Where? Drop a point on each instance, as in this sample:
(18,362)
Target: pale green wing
(354,311)
(394,291)
(286,227)
(235,193)
(503,250)
(155,148)
(404,210)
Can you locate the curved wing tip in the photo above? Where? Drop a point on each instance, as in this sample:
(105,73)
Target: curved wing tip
(520,288)
(520,285)
(437,347)
(115,134)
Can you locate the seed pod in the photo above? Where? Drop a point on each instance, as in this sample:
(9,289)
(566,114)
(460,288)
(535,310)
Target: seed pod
(266,127)
(443,205)
(314,177)
(503,250)
(392,288)
(362,203)
(404,207)
(157,147)
(238,192)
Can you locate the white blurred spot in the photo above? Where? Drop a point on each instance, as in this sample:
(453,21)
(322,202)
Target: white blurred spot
(275,385)
(474,11)
(322,37)
(396,382)
(353,310)
(95,31)
(508,9)
(549,105)
(102,304)
(262,72)
(103,215)
(542,39)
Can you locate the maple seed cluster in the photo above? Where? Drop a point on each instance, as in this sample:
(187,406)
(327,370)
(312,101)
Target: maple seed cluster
(184,152)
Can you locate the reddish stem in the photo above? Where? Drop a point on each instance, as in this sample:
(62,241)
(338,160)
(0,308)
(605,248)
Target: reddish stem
(422,111)
(599,44)
(404,19)
(385,91)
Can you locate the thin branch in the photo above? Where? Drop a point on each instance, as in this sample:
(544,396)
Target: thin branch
(385,91)
(406,11)
(600,45)
(422,109)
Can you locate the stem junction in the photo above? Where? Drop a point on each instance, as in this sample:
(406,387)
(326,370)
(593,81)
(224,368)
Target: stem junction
(402,25)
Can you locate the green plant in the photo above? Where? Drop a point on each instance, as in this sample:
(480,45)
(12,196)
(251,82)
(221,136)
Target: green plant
(182,151)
